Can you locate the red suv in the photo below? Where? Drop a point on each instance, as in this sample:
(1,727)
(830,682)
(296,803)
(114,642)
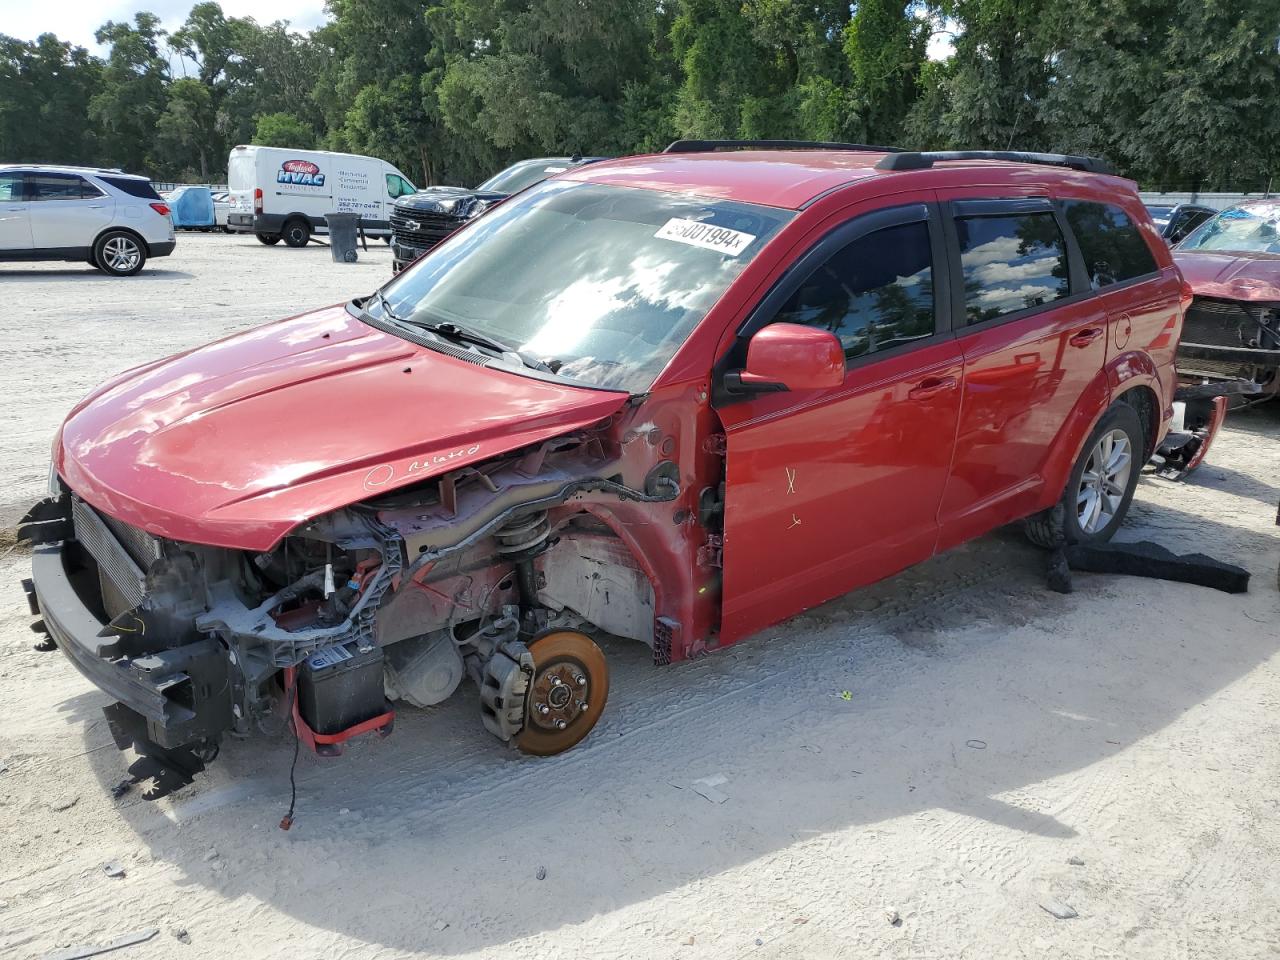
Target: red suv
(672,398)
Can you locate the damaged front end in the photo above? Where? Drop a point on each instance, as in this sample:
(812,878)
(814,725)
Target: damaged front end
(492,572)
(1198,413)
(1232,340)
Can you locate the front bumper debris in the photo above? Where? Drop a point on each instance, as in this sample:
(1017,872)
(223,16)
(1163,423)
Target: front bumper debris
(180,695)
(1200,410)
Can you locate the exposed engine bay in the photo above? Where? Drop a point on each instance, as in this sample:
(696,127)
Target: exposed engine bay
(494,573)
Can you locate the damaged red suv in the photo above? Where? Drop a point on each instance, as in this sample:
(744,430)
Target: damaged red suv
(672,399)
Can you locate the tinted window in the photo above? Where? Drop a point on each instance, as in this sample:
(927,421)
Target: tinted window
(1011,263)
(874,294)
(134,188)
(1111,244)
(10,186)
(59,186)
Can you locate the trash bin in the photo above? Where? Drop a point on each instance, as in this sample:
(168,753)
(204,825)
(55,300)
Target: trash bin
(342,236)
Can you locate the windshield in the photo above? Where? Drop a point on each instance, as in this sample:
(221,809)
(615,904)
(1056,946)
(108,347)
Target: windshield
(1251,229)
(524,174)
(601,283)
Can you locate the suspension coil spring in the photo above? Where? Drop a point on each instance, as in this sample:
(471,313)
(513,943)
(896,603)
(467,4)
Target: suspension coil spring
(523,535)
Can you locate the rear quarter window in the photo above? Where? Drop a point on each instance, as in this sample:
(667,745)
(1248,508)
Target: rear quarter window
(1111,244)
(1010,264)
(134,188)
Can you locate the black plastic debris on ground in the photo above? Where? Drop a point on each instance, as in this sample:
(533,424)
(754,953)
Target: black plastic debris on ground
(1145,559)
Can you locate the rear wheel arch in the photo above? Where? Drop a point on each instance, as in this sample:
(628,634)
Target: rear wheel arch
(1147,403)
(146,247)
(1058,525)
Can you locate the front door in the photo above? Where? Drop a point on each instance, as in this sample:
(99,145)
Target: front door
(15,223)
(826,491)
(1033,340)
(67,211)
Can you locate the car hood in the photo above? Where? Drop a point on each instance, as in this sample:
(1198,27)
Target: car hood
(237,442)
(453,201)
(1231,276)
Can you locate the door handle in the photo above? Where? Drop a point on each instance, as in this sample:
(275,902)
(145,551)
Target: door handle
(1085,337)
(931,387)
(96,206)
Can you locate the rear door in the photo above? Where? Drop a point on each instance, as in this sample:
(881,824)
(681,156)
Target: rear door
(242,180)
(828,490)
(1141,299)
(1033,337)
(15,222)
(67,211)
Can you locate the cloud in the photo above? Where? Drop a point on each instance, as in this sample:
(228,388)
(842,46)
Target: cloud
(1001,248)
(1010,299)
(1000,272)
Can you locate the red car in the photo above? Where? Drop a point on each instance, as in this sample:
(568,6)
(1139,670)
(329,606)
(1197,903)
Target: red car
(1233,325)
(672,398)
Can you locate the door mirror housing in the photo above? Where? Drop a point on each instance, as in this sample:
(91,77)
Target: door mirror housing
(789,356)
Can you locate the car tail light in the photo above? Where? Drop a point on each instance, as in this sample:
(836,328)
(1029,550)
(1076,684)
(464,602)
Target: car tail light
(257,200)
(161,208)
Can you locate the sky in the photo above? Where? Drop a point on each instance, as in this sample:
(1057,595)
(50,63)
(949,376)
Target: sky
(76,20)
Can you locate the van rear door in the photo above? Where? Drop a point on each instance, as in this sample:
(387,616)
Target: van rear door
(242,180)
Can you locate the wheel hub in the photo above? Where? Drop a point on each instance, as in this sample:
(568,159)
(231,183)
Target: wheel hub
(559,695)
(1104,481)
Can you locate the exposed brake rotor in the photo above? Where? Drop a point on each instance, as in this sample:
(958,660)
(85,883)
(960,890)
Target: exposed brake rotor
(568,693)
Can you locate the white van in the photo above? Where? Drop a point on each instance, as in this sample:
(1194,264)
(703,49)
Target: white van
(282,194)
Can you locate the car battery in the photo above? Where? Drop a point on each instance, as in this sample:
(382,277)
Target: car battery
(339,687)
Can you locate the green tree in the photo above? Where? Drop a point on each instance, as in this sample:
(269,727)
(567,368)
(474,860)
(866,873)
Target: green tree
(885,44)
(1177,92)
(45,88)
(131,96)
(273,71)
(283,130)
(186,141)
(548,76)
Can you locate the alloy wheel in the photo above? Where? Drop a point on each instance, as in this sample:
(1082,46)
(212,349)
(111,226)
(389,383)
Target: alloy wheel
(120,254)
(1104,481)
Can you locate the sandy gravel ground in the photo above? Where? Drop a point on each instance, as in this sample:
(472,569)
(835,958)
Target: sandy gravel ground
(1001,747)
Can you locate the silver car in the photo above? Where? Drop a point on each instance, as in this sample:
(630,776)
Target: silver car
(112,220)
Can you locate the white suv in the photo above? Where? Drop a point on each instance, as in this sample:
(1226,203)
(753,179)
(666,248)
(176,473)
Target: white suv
(112,220)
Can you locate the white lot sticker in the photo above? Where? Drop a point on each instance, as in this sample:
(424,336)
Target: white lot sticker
(705,235)
(554,169)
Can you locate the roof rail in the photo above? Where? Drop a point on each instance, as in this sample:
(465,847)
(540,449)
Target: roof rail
(922,161)
(708,146)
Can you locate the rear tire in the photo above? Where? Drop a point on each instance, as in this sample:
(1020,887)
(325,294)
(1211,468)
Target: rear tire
(297,233)
(270,239)
(1100,487)
(119,253)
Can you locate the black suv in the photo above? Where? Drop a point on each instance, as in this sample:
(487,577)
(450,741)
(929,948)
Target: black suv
(421,220)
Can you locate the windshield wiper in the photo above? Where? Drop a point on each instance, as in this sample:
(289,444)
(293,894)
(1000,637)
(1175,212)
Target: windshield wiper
(386,306)
(451,331)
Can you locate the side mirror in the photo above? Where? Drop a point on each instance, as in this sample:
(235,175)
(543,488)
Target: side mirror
(789,356)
